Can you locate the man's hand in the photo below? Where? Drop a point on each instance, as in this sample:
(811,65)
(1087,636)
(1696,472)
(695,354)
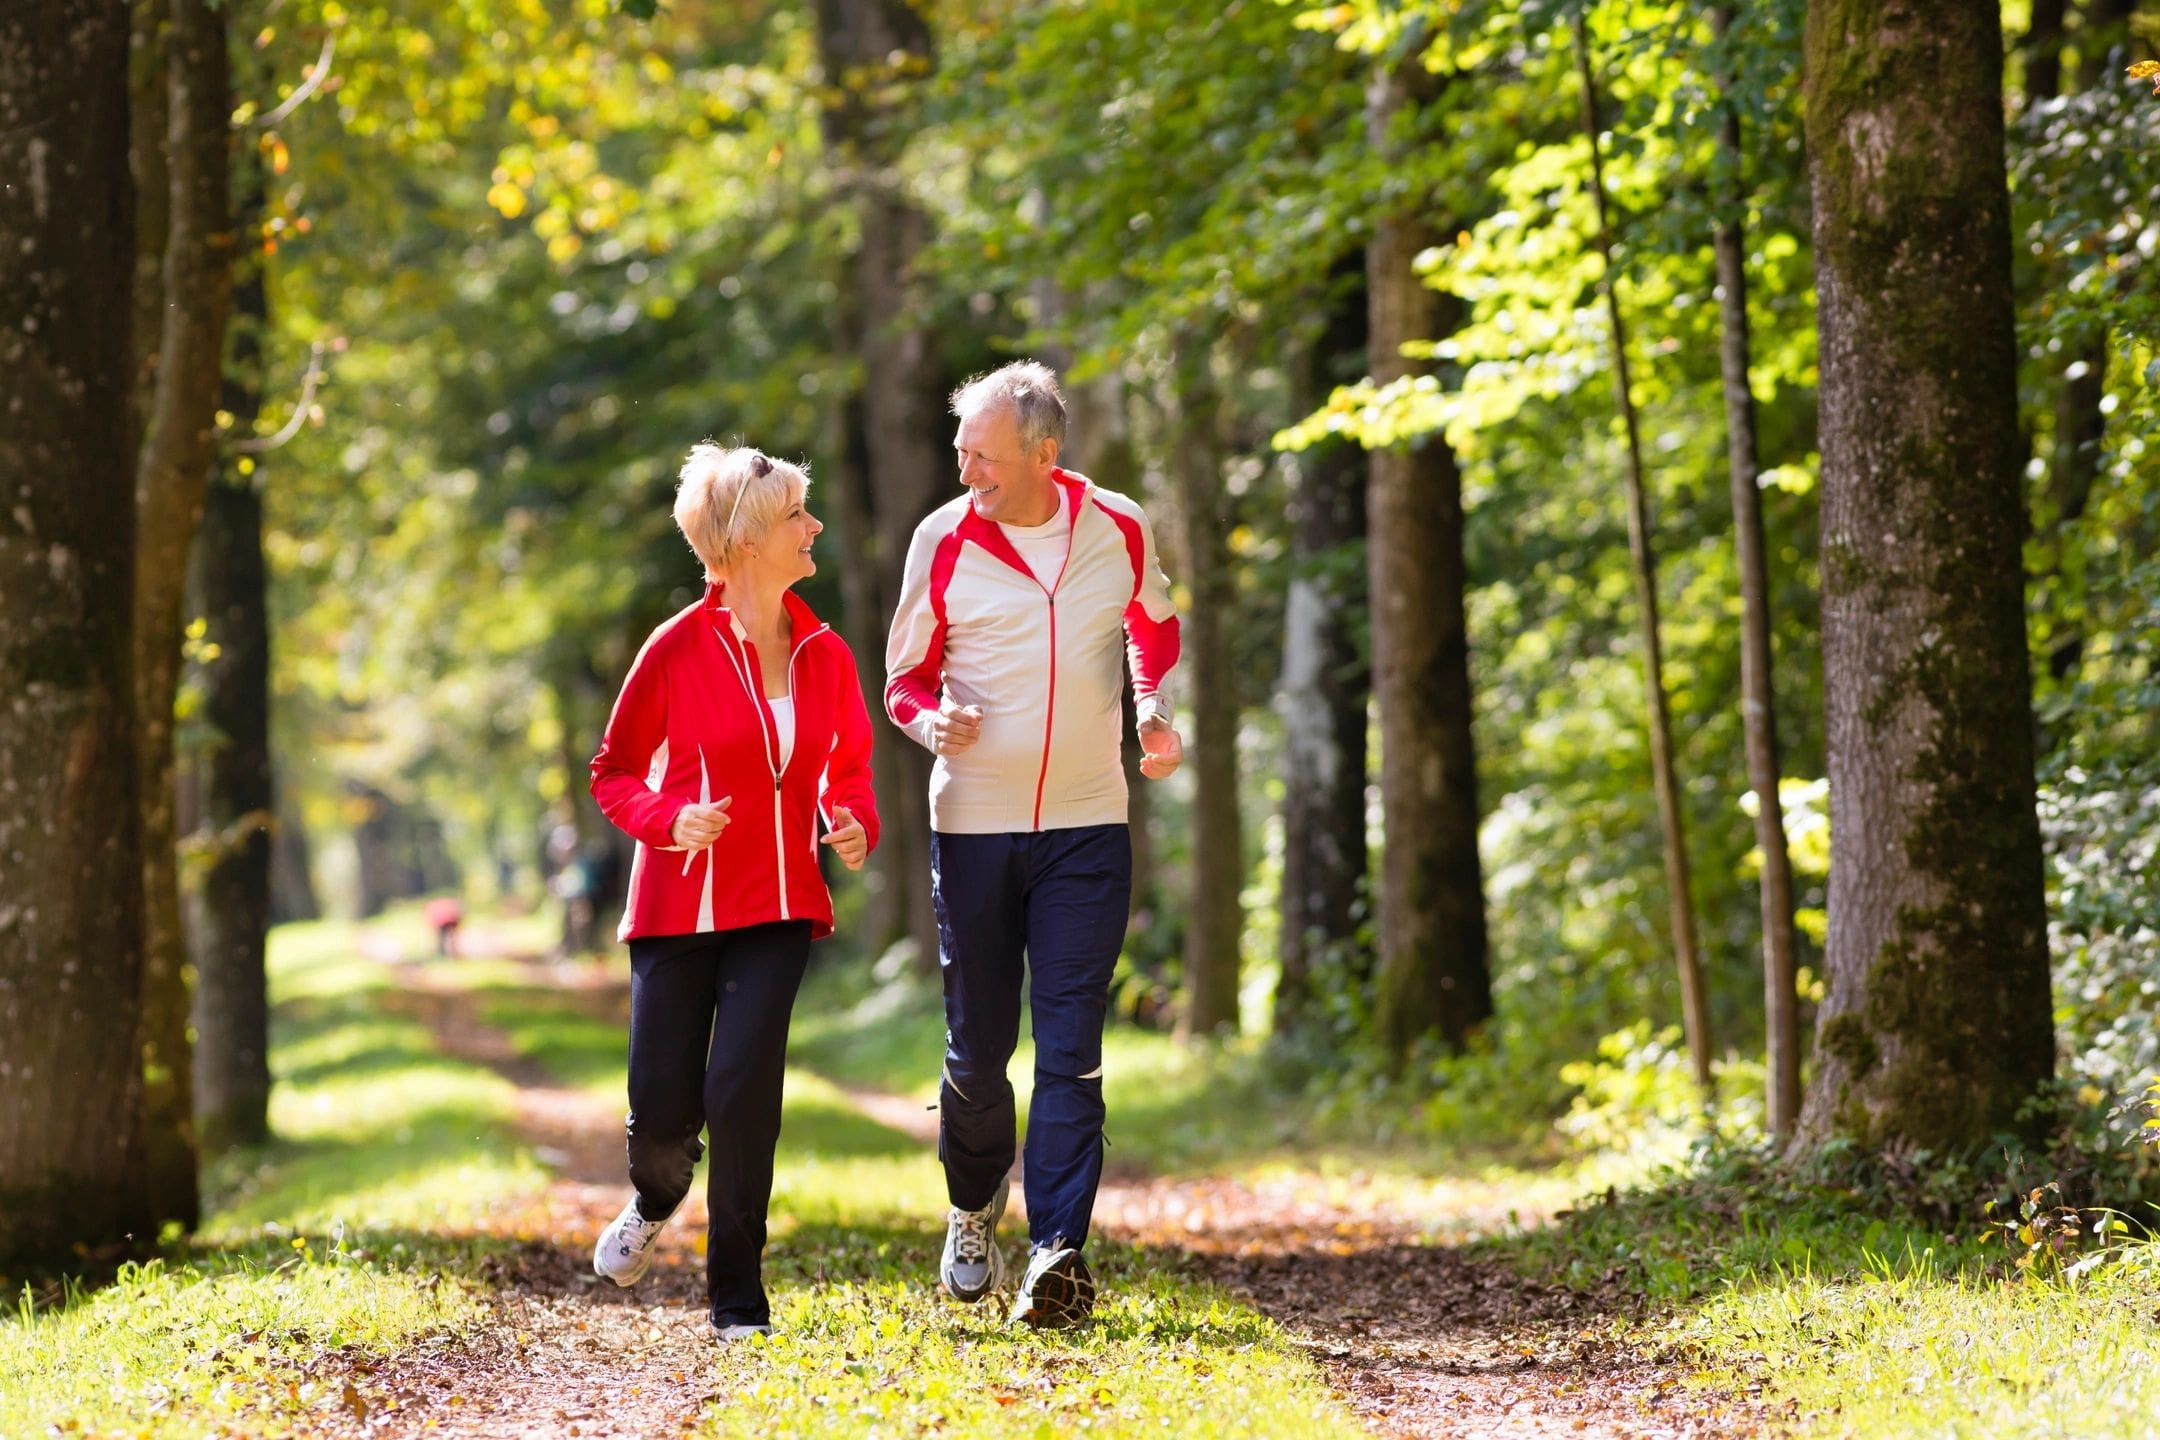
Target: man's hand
(847,838)
(1160,748)
(697,826)
(955,727)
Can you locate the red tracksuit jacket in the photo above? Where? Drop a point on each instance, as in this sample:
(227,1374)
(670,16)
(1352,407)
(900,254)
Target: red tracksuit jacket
(692,724)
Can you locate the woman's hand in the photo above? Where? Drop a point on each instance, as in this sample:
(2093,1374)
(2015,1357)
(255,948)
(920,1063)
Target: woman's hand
(847,838)
(955,727)
(697,826)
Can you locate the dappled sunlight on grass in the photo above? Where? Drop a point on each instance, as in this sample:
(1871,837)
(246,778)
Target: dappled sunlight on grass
(374,1128)
(226,1343)
(884,1355)
(1920,1348)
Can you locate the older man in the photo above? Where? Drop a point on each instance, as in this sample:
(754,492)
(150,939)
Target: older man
(1022,598)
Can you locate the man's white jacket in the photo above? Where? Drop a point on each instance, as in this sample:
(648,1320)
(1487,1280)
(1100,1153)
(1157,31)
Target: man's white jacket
(1043,661)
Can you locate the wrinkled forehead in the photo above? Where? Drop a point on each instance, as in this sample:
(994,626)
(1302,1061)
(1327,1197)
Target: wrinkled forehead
(991,426)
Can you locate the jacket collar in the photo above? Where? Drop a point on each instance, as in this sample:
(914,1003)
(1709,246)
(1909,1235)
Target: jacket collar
(803,622)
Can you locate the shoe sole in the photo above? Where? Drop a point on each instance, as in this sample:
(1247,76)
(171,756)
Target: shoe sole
(997,1260)
(1062,1297)
(626,1281)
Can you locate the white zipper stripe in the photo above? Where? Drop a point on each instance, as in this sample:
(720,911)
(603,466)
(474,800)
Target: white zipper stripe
(769,733)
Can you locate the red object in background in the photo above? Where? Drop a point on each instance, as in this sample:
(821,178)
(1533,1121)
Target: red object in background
(444,916)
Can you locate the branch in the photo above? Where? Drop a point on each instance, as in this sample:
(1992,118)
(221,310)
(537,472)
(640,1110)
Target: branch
(316,75)
(259,444)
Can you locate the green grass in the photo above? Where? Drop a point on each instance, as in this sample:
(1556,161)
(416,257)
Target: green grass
(1859,1320)
(1918,1347)
(331,1243)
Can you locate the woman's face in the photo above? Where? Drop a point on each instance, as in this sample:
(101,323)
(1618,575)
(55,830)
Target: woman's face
(784,552)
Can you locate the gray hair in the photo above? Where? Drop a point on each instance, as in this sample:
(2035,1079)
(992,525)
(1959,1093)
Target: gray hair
(1029,389)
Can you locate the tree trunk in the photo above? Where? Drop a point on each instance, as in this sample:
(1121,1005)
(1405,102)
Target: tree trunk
(1758,712)
(1936,1025)
(870,48)
(1208,684)
(1432,975)
(149,111)
(292,867)
(178,449)
(230,914)
(70,811)
(1694,1003)
(2043,46)
(1326,684)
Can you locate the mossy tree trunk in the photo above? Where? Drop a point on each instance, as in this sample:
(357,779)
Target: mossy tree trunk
(1432,976)
(1936,1024)
(70,812)
(1326,683)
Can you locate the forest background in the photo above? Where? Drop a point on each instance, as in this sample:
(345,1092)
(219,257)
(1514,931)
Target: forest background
(429,301)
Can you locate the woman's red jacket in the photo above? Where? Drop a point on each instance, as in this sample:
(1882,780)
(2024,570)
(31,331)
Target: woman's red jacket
(692,724)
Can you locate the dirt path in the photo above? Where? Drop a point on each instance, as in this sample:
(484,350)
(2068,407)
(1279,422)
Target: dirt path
(1419,1338)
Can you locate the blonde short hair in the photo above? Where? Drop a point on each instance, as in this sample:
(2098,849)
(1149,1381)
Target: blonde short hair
(726,498)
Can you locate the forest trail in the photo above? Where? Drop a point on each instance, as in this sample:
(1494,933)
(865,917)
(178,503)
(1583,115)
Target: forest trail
(1417,1336)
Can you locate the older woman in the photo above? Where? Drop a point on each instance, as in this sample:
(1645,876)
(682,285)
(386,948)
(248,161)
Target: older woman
(741,720)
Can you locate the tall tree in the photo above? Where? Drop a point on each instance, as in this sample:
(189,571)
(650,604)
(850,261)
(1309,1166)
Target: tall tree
(1694,1002)
(229,919)
(1208,685)
(875,54)
(70,817)
(1432,968)
(1326,683)
(1781,1004)
(178,447)
(1936,1025)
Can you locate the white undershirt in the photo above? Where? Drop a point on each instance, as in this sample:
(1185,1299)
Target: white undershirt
(1042,546)
(783,714)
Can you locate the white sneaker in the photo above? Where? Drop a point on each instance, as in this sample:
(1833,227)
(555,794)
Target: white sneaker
(971,1266)
(624,1251)
(728,1334)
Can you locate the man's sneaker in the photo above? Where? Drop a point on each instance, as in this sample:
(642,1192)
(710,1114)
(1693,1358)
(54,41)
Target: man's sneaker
(1059,1290)
(971,1266)
(729,1334)
(624,1251)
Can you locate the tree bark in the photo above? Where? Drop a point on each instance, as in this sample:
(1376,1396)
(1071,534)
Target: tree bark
(875,53)
(1432,976)
(178,449)
(1208,685)
(70,812)
(230,915)
(1694,1002)
(1758,711)
(1326,685)
(1936,1025)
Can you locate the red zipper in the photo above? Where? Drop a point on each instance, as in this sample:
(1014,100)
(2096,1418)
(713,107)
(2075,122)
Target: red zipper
(1042,776)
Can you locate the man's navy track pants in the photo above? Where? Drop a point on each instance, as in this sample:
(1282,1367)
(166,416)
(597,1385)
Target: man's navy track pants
(1048,906)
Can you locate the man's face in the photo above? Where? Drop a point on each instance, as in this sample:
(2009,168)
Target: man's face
(1010,484)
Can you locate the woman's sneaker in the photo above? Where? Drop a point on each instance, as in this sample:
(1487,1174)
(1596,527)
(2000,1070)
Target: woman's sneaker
(624,1251)
(729,1334)
(971,1266)
(1059,1290)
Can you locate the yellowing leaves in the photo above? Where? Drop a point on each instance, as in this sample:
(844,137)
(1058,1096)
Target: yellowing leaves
(507,199)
